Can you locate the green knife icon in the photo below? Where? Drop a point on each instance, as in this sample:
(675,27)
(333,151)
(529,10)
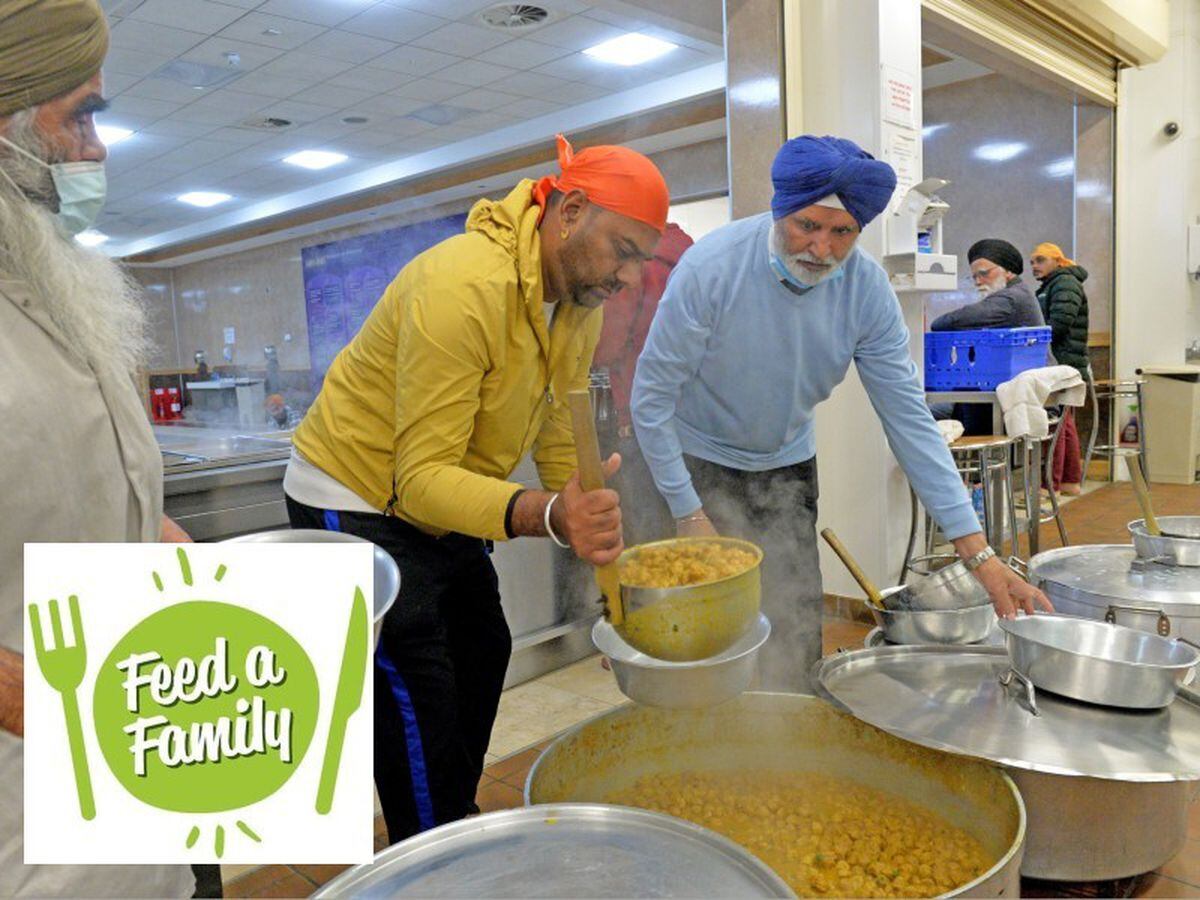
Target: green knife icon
(346,700)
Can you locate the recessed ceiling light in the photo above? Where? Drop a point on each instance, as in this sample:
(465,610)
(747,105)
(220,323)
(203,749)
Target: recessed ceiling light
(112,134)
(315,159)
(91,238)
(1000,152)
(203,199)
(1060,168)
(631,49)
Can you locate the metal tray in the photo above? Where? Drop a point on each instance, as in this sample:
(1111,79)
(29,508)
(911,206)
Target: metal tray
(950,698)
(875,638)
(1104,574)
(563,850)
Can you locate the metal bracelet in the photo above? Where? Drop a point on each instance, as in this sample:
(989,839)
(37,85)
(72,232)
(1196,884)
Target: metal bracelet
(694,517)
(974,562)
(550,531)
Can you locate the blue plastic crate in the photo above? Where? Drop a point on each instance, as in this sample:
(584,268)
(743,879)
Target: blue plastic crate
(980,360)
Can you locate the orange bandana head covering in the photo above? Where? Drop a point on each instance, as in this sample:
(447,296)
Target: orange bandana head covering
(1054,252)
(617,178)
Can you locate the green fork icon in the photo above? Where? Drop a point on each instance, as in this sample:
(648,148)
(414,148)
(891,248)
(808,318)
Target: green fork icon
(63,669)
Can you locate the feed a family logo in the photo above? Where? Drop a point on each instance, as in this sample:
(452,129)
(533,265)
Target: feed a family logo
(198,703)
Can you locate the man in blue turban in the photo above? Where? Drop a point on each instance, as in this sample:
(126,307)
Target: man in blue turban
(759,323)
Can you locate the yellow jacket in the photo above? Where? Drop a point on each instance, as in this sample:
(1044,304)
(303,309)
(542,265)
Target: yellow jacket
(453,378)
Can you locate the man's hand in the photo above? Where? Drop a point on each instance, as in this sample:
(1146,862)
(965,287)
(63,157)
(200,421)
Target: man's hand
(1008,591)
(695,524)
(590,521)
(171,533)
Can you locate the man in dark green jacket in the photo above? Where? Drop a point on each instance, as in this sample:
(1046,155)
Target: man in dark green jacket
(1065,308)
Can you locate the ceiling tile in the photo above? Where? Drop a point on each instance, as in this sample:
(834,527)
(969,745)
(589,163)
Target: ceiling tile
(305,67)
(472,73)
(461,39)
(681,59)
(483,100)
(577,33)
(447,9)
(134,62)
(257,28)
(392,23)
(194,15)
(239,137)
(134,34)
(414,61)
(116,83)
(174,127)
(299,113)
(577,67)
(369,79)
(163,89)
(387,130)
(319,12)
(333,96)
(331,128)
(143,107)
(577,92)
(348,47)
(241,4)
(534,84)
(278,86)
(428,89)
(386,105)
(529,108)
(522,54)
(200,151)
(213,52)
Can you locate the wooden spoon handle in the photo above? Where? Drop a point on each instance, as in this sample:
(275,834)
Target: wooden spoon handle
(854,568)
(591,478)
(1142,490)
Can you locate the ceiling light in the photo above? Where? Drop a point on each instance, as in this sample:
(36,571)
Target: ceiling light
(1000,152)
(112,134)
(1060,168)
(930,130)
(631,49)
(203,199)
(91,238)
(315,159)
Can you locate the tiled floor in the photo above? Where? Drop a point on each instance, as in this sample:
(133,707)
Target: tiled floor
(533,713)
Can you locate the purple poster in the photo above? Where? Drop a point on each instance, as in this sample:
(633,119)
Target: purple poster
(343,281)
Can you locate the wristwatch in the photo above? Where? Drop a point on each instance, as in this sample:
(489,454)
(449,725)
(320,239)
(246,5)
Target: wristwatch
(974,562)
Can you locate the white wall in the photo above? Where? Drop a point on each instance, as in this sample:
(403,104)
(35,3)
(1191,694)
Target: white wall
(1158,194)
(698,217)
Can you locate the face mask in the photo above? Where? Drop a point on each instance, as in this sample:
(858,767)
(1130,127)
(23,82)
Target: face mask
(779,267)
(81,188)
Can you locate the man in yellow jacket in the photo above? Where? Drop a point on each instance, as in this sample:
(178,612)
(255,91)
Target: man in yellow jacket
(462,368)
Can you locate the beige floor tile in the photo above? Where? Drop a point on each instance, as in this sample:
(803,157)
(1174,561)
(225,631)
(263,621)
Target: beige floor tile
(228,873)
(586,678)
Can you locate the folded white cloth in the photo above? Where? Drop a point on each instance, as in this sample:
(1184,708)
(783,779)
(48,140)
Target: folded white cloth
(1024,399)
(951,429)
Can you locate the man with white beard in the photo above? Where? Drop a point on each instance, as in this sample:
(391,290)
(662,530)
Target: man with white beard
(1005,300)
(78,461)
(759,323)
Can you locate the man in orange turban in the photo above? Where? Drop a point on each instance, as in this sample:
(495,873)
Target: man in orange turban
(457,374)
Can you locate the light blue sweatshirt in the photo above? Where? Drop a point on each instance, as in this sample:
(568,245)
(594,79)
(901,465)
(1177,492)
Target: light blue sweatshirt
(736,362)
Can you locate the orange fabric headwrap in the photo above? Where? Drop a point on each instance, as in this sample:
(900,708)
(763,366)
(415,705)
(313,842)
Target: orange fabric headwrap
(1054,252)
(617,178)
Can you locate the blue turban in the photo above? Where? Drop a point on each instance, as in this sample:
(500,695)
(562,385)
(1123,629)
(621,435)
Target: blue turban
(809,168)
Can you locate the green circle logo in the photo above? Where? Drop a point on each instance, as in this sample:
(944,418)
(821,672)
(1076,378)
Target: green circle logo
(205,707)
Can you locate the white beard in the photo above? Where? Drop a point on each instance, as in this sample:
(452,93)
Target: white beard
(997,284)
(100,311)
(792,262)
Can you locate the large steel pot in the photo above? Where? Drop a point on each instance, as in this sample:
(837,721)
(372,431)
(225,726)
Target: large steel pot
(1107,790)
(1110,582)
(386,585)
(788,732)
(1174,551)
(1099,662)
(566,850)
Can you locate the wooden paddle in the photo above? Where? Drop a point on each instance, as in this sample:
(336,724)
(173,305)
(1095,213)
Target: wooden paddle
(873,595)
(591,478)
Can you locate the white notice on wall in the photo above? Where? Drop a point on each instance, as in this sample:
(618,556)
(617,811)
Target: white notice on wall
(230,335)
(898,90)
(900,151)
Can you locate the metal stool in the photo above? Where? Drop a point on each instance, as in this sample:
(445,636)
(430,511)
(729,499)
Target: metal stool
(1112,391)
(989,457)
(1032,462)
